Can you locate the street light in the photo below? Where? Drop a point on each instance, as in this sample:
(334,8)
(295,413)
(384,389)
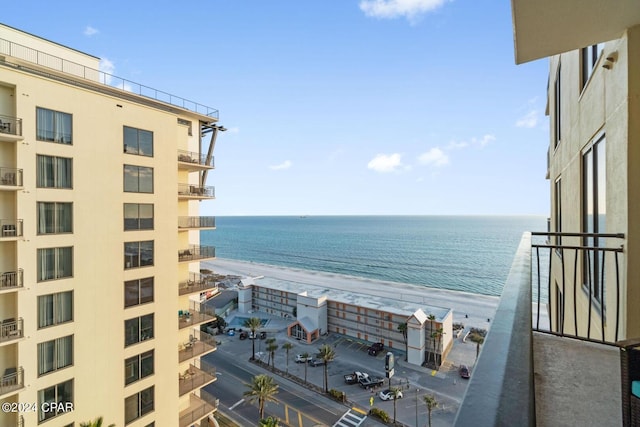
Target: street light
(417,391)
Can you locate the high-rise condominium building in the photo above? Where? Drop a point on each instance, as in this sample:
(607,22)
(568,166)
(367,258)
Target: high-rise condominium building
(100,185)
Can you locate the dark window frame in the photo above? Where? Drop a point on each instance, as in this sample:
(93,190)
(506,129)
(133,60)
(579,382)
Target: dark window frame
(132,138)
(135,332)
(138,222)
(138,285)
(137,365)
(134,171)
(55,134)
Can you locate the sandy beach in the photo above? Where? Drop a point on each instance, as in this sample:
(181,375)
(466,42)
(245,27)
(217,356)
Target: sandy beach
(471,309)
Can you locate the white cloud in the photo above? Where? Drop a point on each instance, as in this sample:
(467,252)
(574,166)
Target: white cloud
(284,165)
(482,142)
(456,145)
(90,31)
(386,163)
(529,120)
(410,9)
(435,157)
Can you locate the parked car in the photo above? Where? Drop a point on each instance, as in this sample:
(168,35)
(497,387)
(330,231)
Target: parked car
(375,349)
(355,377)
(316,362)
(244,335)
(464,371)
(252,335)
(371,382)
(388,394)
(231,332)
(263,335)
(300,359)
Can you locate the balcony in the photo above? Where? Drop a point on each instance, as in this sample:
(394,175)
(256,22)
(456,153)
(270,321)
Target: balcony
(199,407)
(10,179)
(195,253)
(196,222)
(10,330)
(190,161)
(10,128)
(10,229)
(199,344)
(199,374)
(198,283)
(12,380)
(11,280)
(195,316)
(546,369)
(196,192)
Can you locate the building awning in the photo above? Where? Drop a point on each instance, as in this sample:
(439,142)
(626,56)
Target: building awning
(543,28)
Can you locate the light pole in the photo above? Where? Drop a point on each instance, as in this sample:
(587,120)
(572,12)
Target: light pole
(417,391)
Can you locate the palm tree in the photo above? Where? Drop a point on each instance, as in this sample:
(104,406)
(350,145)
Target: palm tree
(287,346)
(269,422)
(431,403)
(439,333)
(479,340)
(95,423)
(253,324)
(271,348)
(395,394)
(305,356)
(402,327)
(263,389)
(327,354)
(432,318)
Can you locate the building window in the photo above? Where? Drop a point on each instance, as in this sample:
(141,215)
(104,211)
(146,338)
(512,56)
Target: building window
(138,216)
(55,263)
(55,354)
(138,329)
(54,309)
(51,398)
(138,254)
(138,179)
(588,58)
(557,109)
(557,197)
(138,405)
(55,218)
(138,141)
(594,198)
(138,292)
(54,172)
(53,126)
(138,367)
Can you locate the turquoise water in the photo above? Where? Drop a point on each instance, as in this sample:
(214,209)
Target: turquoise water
(464,253)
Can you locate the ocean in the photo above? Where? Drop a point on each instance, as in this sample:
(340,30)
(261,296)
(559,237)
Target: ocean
(462,253)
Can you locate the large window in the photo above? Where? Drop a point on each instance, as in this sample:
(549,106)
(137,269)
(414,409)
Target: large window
(138,216)
(138,405)
(54,309)
(138,254)
(55,263)
(138,141)
(55,217)
(588,58)
(138,292)
(47,398)
(594,199)
(138,367)
(53,126)
(54,172)
(138,179)
(55,354)
(138,329)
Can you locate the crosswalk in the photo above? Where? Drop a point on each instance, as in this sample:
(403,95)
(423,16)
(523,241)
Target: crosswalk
(352,418)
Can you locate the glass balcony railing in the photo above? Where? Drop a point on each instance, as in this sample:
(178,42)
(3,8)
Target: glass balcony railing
(199,374)
(197,283)
(199,407)
(186,222)
(196,191)
(199,343)
(10,125)
(193,158)
(195,253)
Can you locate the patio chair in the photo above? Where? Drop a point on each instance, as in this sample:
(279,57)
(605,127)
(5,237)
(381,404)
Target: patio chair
(630,381)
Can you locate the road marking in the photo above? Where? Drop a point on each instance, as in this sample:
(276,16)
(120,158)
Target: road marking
(236,404)
(359,410)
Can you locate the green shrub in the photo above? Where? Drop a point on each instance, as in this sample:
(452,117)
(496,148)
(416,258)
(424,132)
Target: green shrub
(337,394)
(377,412)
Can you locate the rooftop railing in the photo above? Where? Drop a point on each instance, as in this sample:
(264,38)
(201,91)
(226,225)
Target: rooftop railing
(53,62)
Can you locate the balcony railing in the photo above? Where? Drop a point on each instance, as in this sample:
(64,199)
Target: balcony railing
(10,125)
(96,76)
(11,177)
(11,329)
(11,280)
(196,191)
(12,380)
(199,374)
(199,407)
(197,283)
(199,343)
(10,228)
(196,222)
(195,315)
(194,253)
(194,158)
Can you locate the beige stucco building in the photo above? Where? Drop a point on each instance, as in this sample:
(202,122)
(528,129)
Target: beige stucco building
(593,160)
(101,181)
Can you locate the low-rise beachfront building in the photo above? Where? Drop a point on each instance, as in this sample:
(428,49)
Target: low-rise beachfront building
(101,181)
(317,310)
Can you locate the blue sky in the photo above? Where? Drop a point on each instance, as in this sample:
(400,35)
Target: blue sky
(335,107)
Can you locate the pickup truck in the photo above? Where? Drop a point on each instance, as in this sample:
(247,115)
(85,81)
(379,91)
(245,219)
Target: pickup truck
(355,377)
(370,382)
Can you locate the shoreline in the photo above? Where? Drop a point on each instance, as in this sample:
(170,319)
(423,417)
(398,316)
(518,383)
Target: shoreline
(474,310)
